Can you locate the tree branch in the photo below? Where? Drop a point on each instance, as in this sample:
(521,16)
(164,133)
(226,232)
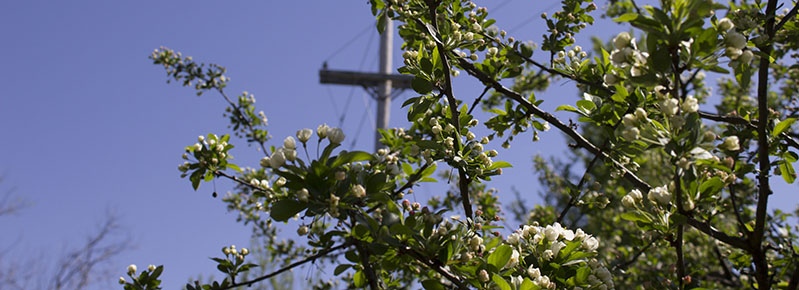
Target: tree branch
(578,190)
(718,235)
(787,18)
(289,267)
(624,265)
(463,180)
(753,124)
(533,109)
(363,253)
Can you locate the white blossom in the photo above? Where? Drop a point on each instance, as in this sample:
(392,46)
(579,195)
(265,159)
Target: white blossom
(132,269)
(730,143)
(533,272)
(321,131)
(482,276)
(690,104)
(303,195)
(628,201)
(622,40)
(746,57)
(590,244)
(277,159)
(669,107)
(660,195)
(304,135)
(631,133)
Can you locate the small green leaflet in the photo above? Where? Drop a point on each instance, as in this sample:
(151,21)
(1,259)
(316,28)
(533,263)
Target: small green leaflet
(782,126)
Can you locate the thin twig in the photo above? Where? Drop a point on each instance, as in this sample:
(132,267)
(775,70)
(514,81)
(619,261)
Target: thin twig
(624,265)
(289,267)
(477,101)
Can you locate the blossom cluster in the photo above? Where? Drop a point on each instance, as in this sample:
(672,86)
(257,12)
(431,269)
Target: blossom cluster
(626,57)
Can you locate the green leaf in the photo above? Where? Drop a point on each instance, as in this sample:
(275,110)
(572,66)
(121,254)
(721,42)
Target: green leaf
(499,164)
(711,186)
(626,17)
(634,217)
(341,268)
(500,282)
(567,108)
(285,209)
(350,157)
(782,126)
(359,279)
(432,285)
(499,258)
(421,85)
(528,284)
(787,172)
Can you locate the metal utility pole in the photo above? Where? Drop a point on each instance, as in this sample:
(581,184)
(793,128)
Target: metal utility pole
(379,85)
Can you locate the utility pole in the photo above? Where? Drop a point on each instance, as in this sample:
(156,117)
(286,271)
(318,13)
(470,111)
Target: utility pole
(379,85)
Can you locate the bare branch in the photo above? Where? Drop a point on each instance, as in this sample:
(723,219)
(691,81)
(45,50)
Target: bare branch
(435,267)
(718,235)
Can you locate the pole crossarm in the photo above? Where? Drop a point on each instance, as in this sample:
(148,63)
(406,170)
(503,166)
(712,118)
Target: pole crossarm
(364,79)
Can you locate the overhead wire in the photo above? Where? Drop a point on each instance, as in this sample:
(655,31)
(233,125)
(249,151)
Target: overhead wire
(351,41)
(533,17)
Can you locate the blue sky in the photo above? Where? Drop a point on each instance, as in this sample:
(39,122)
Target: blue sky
(90,124)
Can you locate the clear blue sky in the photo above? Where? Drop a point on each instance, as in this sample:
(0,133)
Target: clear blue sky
(89,123)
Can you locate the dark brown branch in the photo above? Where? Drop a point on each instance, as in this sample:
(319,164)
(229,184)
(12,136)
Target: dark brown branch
(728,275)
(236,179)
(678,243)
(477,101)
(463,180)
(289,267)
(794,282)
(533,109)
(363,254)
(753,124)
(756,239)
(718,235)
(787,18)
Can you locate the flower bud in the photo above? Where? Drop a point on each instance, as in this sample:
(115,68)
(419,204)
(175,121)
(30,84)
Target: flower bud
(289,143)
(151,268)
(335,135)
(303,195)
(628,201)
(132,269)
(736,40)
(622,40)
(690,104)
(483,276)
(725,24)
(277,159)
(358,191)
(122,280)
(746,56)
(303,230)
(730,144)
(321,131)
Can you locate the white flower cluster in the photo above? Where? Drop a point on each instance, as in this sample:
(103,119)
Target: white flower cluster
(546,243)
(575,55)
(626,55)
(730,143)
(632,198)
(212,144)
(238,255)
(631,123)
(735,43)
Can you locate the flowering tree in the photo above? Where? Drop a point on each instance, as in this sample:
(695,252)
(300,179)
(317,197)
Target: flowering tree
(671,196)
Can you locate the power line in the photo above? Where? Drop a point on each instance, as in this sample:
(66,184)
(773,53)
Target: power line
(533,17)
(340,49)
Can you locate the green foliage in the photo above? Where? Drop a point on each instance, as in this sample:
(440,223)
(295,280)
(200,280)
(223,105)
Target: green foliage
(677,196)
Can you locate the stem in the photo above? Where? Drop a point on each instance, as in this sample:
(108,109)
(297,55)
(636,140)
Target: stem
(240,116)
(434,266)
(678,244)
